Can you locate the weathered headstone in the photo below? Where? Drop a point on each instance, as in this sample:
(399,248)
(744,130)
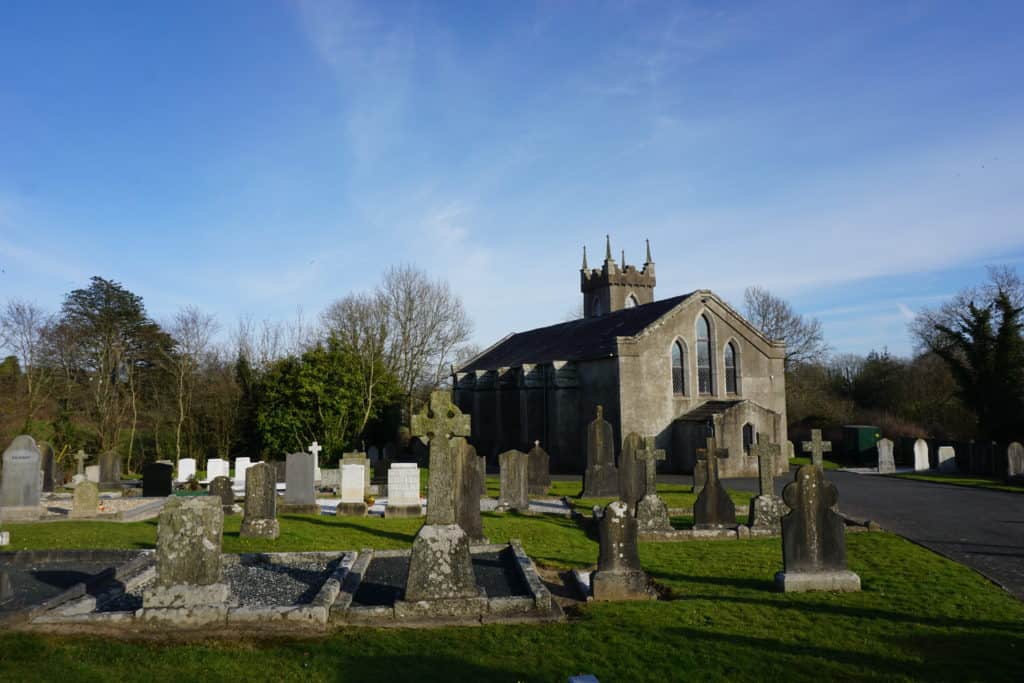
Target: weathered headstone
(601,478)
(1014,460)
(300,492)
(632,475)
(515,492)
(766,509)
(20,485)
(48,461)
(473,483)
(189,581)
(110,468)
(260,518)
(651,511)
(539,471)
(619,575)
(86,501)
(221,488)
(947,460)
(157,480)
(92,473)
(358,458)
(920,455)
(186,470)
(813,537)
(714,508)
(403,491)
(440,566)
(790,452)
(353,490)
(886,461)
(280,471)
(331,478)
(817,448)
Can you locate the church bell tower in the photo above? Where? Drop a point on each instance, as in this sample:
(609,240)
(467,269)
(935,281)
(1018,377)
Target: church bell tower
(612,287)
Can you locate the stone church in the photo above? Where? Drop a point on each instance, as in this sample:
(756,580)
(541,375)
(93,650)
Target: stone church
(677,369)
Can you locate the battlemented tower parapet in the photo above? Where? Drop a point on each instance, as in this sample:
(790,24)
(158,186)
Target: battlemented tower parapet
(613,287)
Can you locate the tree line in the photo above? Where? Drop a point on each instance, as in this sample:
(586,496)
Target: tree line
(101,374)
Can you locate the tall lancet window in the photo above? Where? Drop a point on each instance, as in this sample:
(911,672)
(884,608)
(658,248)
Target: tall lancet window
(730,368)
(595,306)
(704,383)
(678,373)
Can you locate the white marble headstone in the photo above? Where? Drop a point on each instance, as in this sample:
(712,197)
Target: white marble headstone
(241,465)
(352,484)
(1015,460)
(920,455)
(947,459)
(186,470)
(404,484)
(92,473)
(217,467)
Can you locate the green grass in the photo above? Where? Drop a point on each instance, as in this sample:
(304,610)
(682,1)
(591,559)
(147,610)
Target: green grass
(919,617)
(827,464)
(962,480)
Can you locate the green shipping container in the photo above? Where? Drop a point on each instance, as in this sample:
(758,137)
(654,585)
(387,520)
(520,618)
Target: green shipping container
(859,444)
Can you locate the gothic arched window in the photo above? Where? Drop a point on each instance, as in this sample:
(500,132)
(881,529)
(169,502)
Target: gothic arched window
(678,372)
(704,379)
(748,437)
(631,302)
(730,368)
(595,307)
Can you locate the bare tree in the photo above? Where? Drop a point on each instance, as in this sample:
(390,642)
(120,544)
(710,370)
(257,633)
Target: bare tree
(193,332)
(23,327)
(805,341)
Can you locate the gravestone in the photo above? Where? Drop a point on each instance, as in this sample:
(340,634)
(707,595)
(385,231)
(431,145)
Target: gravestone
(766,509)
(440,567)
(921,455)
(886,461)
(241,465)
(539,471)
(217,467)
(331,478)
(467,496)
(186,470)
(651,511)
(20,482)
(221,488)
(403,491)
(353,491)
(157,480)
(947,460)
(189,579)
(619,575)
(632,477)
(110,468)
(300,492)
(817,448)
(92,473)
(86,502)
(1014,460)
(515,492)
(813,537)
(358,458)
(260,518)
(714,508)
(80,458)
(790,452)
(601,478)
(700,471)
(48,461)
(280,471)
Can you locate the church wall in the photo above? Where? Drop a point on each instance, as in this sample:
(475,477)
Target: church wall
(598,385)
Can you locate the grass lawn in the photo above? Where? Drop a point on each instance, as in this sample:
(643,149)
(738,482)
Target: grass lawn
(827,464)
(920,616)
(962,480)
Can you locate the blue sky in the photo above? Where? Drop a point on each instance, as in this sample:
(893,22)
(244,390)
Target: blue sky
(861,159)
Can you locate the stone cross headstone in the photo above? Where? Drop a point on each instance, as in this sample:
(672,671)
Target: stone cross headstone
(300,490)
(817,448)
(221,488)
(260,518)
(947,460)
(515,492)
(714,508)
(440,566)
(80,458)
(86,501)
(189,577)
(48,460)
(601,478)
(157,480)
(186,470)
(921,455)
(315,448)
(886,461)
(766,509)
(19,485)
(651,511)
(1014,460)
(353,490)
(110,468)
(632,473)
(403,491)
(539,471)
(358,458)
(813,537)
(241,465)
(619,575)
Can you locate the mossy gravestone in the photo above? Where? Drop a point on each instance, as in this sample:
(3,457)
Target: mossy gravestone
(813,537)
(619,575)
(220,488)
(886,461)
(651,511)
(86,502)
(714,508)
(515,494)
(260,519)
(472,484)
(539,471)
(766,509)
(632,476)
(601,477)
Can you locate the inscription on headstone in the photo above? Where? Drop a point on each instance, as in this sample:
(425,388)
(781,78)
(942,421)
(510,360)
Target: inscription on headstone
(353,491)
(403,491)
(20,482)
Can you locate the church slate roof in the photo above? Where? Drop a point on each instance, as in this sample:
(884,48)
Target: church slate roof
(584,339)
